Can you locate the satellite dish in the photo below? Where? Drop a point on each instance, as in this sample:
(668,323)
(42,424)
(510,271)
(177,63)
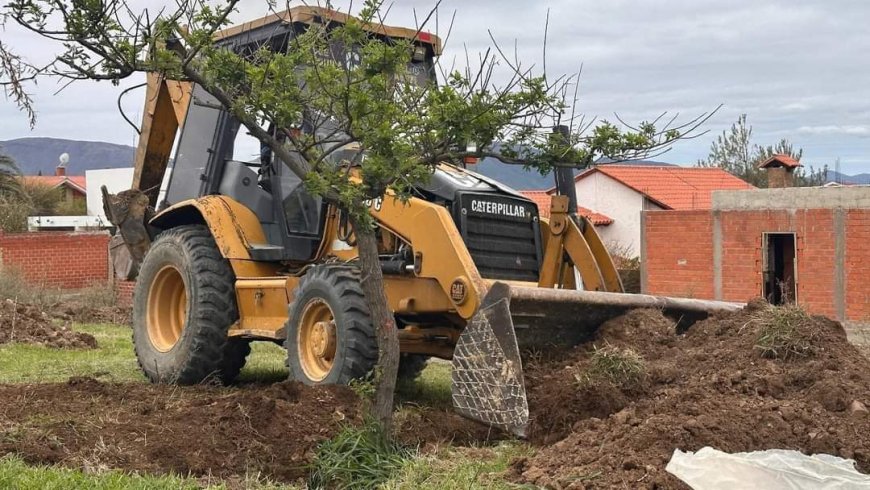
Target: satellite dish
(64,159)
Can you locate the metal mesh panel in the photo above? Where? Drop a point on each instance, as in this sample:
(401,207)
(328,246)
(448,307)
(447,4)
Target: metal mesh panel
(487,371)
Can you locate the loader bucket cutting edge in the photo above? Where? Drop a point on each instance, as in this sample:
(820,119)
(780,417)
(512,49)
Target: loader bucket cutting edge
(488,384)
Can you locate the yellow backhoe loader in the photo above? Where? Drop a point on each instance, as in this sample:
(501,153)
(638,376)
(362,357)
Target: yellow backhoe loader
(233,249)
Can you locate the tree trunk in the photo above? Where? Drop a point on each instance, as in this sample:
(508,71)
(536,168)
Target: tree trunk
(372,281)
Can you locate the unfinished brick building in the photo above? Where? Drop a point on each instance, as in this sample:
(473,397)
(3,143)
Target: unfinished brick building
(804,245)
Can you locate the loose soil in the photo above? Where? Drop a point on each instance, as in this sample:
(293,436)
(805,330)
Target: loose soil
(271,430)
(223,432)
(708,387)
(23,323)
(81,312)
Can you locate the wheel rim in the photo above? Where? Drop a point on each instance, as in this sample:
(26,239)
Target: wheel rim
(316,340)
(167,308)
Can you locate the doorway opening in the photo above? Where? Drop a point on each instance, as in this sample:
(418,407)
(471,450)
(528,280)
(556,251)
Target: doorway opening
(779,286)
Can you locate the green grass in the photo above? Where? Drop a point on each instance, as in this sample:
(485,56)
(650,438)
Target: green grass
(14,473)
(786,332)
(431,388)
(460,469)
(357,458)
(621,367)
(265,364)
(113,360)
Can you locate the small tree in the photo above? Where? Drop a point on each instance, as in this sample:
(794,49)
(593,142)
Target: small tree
(10,176)
(340,109)
(734,152)
(44,200)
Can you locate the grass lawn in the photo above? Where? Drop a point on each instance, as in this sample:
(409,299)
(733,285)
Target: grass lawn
(448,468)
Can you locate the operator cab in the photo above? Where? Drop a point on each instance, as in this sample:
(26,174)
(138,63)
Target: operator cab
(216,155)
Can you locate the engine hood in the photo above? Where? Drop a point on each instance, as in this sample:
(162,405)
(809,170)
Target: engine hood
(448,179)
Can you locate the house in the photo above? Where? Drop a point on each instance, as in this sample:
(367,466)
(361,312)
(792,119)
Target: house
(621,192)
(542,199)
(805,245)
(74,187)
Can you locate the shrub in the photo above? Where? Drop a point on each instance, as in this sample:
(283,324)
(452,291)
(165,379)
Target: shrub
(357,458)
(785,332)
(624,368)
(100,294)
(44,199)
(13,214)
(627,264)
(14,286)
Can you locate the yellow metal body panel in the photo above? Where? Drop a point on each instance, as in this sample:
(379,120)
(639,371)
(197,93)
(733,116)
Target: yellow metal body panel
(264,301)
(166,103)
(263,306)
(234,228)
(430,230)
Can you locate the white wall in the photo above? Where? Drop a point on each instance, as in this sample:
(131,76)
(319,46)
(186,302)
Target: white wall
(608,196)
(115,180)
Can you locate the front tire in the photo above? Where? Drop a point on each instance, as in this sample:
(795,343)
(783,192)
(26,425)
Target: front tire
(183,305)
(330,334)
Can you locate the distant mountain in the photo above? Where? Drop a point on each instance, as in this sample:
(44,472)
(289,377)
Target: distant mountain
(41,154)
(834,176)
(517,177)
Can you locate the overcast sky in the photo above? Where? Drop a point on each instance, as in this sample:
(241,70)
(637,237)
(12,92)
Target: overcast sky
(800,69)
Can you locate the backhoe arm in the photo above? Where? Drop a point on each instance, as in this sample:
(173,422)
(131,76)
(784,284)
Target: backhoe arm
(166,103)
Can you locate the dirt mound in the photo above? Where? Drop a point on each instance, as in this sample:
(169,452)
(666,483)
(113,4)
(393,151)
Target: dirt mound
(222,432)
(428,428)
(23,323)
(610,414)
(82,312)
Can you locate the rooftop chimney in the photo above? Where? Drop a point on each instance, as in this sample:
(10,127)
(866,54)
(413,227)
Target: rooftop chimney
(60,170)
(780,170)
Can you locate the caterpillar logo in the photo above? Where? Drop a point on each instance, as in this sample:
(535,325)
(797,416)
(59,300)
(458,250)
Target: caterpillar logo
(503,209)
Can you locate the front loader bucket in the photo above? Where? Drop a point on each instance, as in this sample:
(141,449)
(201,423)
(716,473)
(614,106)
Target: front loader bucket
(488,383)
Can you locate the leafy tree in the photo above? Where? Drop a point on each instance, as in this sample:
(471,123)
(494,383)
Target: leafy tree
(734,152)
(43,199)
(10,176)
(353,131)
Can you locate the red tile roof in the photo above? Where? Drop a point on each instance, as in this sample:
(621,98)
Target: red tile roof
(780,160)
(542,199)
(77,182)
(672,187)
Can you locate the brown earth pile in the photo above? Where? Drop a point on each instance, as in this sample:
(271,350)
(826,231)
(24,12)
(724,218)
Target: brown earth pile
(81,312)
(271,430)
(712,386)
(23,323)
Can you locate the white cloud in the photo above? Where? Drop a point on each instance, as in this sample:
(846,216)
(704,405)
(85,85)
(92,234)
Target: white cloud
(791,65)
(836,130)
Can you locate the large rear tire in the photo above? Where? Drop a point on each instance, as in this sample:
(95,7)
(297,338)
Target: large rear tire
(183,305)
(330,335)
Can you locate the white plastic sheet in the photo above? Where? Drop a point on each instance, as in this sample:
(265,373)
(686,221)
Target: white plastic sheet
(775,469)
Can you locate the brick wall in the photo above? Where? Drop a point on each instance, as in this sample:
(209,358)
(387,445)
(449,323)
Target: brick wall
(858,265)
(742,259)
(57,259)
(689,265)
(679,254)
(124,292)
